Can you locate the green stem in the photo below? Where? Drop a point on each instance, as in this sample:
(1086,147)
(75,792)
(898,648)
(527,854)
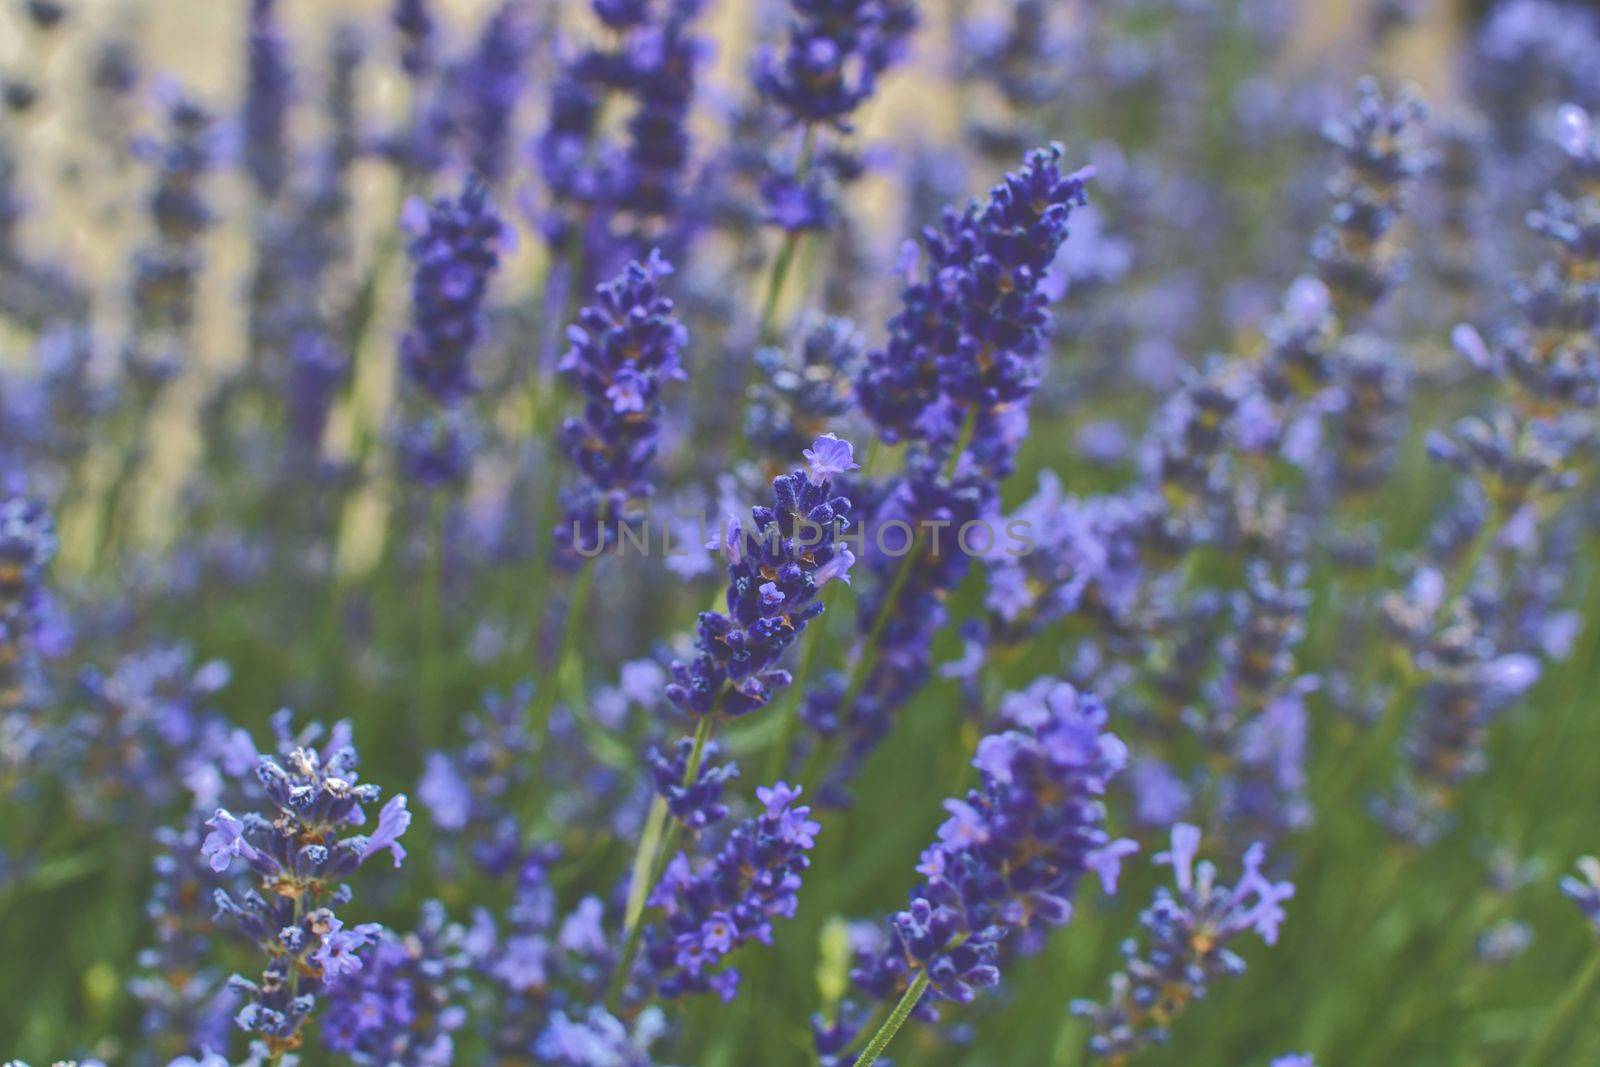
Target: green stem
(432,651)
(568,662)
(897,1018)
(783,264)
(650,859)
(1559,1016)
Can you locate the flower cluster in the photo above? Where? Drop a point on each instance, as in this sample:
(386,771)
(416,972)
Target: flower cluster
(775,573)
(300,852)
(1012,852)
(804,389)
(166,272)
(830,66)
(1186,934)
(27,545)
(653,61)
(626,347)
(966,342)
(406,1001)
(712,909)
(454,250)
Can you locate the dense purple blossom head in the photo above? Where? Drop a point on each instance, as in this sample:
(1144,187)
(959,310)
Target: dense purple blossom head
(455,247)
(1011,853)
(712,909)
(775,571)
(835,53)
(1184,946)
(972,325)
(626,346)
(266,103)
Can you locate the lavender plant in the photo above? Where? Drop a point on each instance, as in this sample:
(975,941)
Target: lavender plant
(425,364)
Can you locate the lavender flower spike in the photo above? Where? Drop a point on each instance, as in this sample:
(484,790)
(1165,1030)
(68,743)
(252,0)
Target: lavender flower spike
(1187,933)
(775,572)
(455,249)
(624,348)
(1011,854)
(712,910)
(300,852)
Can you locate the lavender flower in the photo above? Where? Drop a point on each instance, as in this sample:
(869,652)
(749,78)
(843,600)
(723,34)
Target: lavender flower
(1379,158)
(835,55)
(490,85)
(626,346)
(167,270)
(830,66)
(967,340)
(300,852)
(799,393)
(185,1001)
(27,545)
(698,803)
(406,1002)
(266,103)
(1011,855)
(1584,889)
(1186,933)
(455,249)
(774,575)
(593,182)
(711,910)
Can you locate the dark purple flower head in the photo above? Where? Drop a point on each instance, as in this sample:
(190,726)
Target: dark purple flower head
(731,900)
(1011,854)
(414,22)
(835,53)
(266,102)
(404,1000)
(699,803)
(1187,931)
(490,84)
(455,248)
(775,571)
(972,325)
(625,347)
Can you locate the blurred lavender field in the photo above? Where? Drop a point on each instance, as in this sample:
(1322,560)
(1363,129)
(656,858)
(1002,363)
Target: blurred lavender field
(959,532)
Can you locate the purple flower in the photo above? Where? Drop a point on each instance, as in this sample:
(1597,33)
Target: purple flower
(773,580)
(226,841)
(301,859)
(393,821)
(455,249)
(713,908)
(337,955)
(625,348)
(1186,932)
(828,457)
(1011,854)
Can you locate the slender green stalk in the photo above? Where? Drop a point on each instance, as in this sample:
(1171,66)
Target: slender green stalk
(650,859)
(431,621)
(783,263)
(568,669)
(1555,1023)
(897,1018)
